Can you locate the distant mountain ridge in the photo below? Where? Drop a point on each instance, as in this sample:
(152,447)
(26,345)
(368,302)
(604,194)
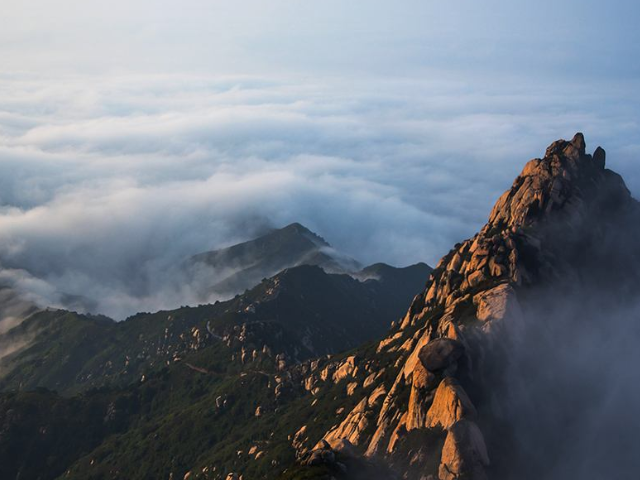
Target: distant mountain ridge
(297,314)
(234,269)
(58,363)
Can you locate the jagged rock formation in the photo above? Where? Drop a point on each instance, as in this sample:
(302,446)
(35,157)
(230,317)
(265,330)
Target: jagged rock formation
(471,316)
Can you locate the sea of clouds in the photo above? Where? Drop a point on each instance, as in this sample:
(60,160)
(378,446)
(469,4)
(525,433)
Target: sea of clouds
(107,183)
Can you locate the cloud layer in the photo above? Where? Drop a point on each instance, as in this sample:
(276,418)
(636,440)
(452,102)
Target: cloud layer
(108,183)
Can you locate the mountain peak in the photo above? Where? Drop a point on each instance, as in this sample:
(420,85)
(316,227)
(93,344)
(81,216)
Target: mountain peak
(296,227)
(560,182)
(234,269)
(579,143)
(566,225)
(299,229)
(575,149)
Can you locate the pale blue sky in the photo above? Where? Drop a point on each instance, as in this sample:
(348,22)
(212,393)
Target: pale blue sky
(557,38)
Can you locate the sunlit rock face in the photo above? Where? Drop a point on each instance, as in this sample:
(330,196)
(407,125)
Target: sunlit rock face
(459,349)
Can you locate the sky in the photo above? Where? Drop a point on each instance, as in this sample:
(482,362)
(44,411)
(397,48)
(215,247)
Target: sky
(136,133)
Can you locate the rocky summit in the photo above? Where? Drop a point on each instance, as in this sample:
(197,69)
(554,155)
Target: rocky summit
(516,361)
(563,226)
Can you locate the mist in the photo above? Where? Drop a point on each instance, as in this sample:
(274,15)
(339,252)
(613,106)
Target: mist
(564,405)
(108,186)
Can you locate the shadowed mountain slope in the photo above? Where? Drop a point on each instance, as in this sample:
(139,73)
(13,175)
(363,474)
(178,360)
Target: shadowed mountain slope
(299,313)
(234,269)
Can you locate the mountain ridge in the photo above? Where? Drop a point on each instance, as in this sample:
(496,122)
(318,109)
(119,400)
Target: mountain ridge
(232,270)
(299,313)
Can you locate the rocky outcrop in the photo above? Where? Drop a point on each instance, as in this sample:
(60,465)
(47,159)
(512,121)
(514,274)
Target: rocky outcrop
(352,427)
(450,405)
(422,385)
(464,454)
(441,354)
(495,305)
(470,316)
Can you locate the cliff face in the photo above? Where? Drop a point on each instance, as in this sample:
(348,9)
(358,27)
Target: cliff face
(561,227)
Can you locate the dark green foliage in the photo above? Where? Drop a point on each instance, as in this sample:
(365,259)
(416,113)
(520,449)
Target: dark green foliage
(170,423)
(167,393)
(302,312)
(42,433)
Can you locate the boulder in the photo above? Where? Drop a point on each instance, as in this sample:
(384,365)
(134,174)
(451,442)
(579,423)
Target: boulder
(421,392)
(322,454)
(440,353)
(464,454)
(351,427)
(345,447)
(450,405)
(476,278)
(346,369)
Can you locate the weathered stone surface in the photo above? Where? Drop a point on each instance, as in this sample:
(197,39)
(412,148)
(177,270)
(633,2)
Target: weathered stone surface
(388,417)
(476,278)
(553,184)
(385,342)
(345,447)
(424,336)
(464,454)
(450,404)
(352,426)
(299,440)
(421,391)
(455,263)
(438,354)
(499,307)
(384,424)
(398,433)
(346,369)
(351,388)
(320,457)
(376,395)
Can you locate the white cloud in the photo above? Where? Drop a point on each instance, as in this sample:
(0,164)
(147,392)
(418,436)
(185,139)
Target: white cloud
(109,182)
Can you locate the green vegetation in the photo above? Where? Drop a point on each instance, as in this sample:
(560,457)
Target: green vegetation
(300,313)
(177,391)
